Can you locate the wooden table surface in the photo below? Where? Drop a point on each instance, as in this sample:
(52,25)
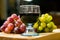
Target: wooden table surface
(42,36)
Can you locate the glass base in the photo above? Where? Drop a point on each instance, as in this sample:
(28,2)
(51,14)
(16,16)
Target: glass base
(32,34)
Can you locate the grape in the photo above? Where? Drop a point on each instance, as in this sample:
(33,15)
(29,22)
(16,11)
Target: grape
(3,27)
(43,25)
(46,15)
(22,28)
(35,25)
(40,28)
(46,29)
(49,18)
(19,20)
(7,30)
(52,23)
(54,27)
(23,24)
(18,23)
(49,25)
(10,26)
(10,19)
(42,19)
(18,16)
(14,16)
(16,30)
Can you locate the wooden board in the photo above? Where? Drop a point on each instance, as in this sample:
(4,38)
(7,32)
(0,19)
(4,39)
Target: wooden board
(42,36)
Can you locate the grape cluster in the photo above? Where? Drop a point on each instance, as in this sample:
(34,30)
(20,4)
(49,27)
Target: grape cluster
(44,24)
(13,24)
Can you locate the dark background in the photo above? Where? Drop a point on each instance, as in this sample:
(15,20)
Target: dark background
(48,5)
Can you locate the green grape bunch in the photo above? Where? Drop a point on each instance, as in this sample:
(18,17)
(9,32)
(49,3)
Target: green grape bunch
(45,23)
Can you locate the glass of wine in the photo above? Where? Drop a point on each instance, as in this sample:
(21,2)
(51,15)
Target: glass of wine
(29,15)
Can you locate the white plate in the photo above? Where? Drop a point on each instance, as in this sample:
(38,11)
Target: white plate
(56,30)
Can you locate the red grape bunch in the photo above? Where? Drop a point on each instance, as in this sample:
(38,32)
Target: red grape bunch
(13,24)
